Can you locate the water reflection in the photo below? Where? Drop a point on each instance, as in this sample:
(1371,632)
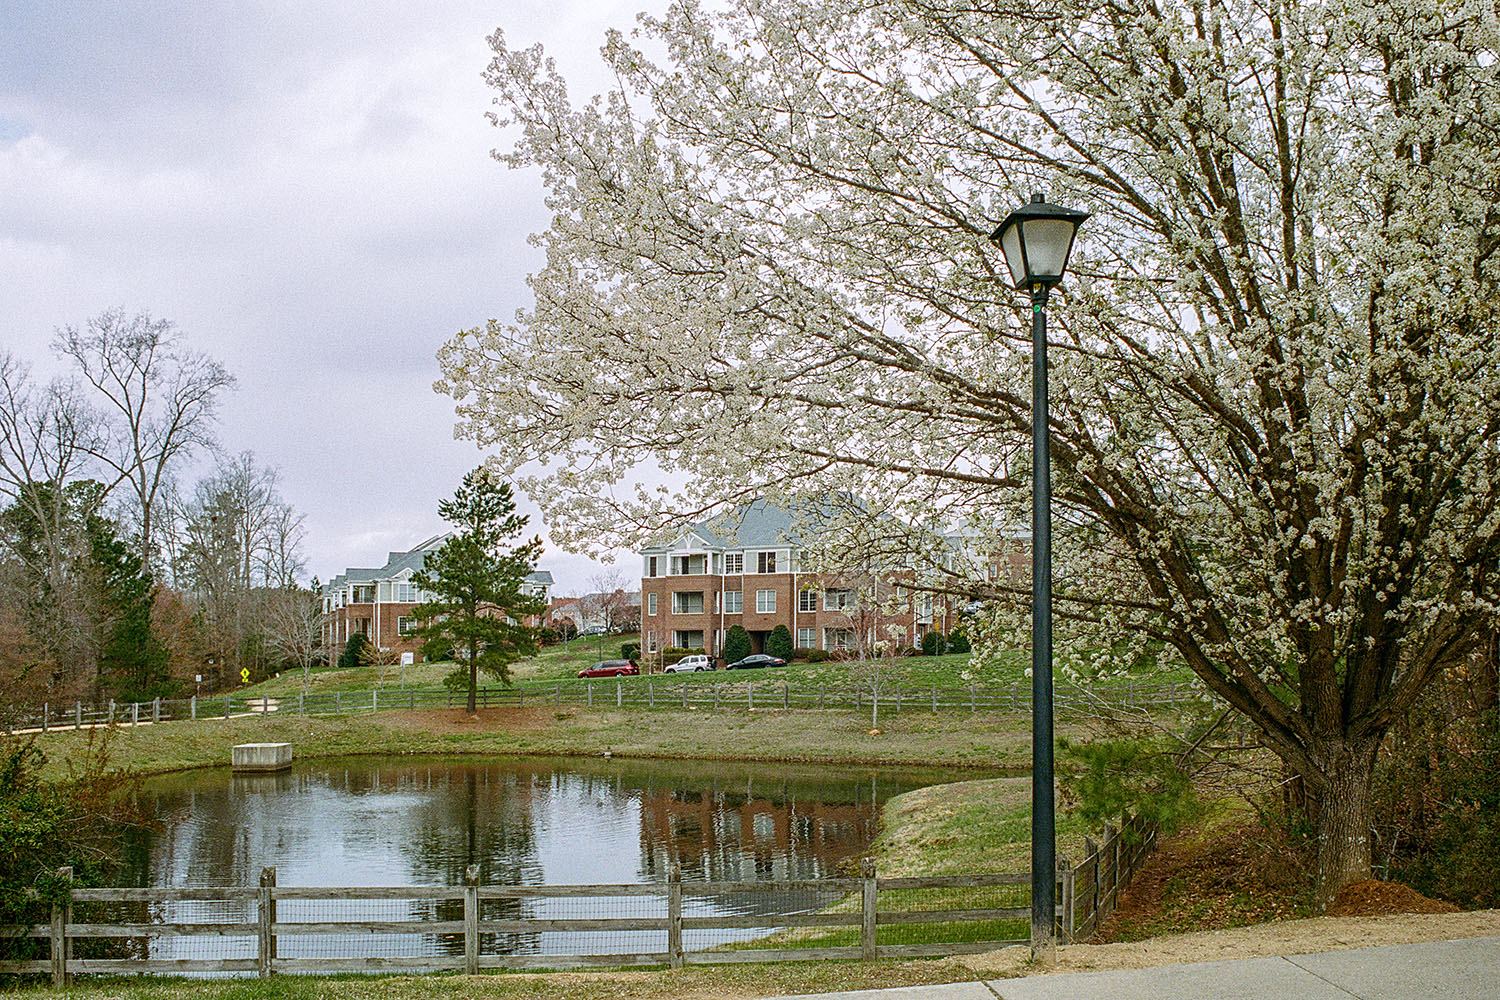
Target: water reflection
(406,821)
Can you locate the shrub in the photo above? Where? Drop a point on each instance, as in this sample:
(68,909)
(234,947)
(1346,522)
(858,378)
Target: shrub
(737,644)
(818,656)
(779,642)
(805,653)
(1105,779)
(630,651)
(958,642)
(356,650)
(933,644)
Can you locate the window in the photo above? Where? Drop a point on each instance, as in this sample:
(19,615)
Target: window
(688,638)
(765,562)
(687,602)
(838,638)
(805,638)
(651,567)
(404,593)
(807,600)
(734,562)
(651,640)
(765,601)
(837,599)
(734,602)
(650,604)
(405,625)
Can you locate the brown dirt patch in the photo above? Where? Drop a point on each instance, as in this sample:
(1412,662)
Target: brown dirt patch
(1374,898)
(1229,877)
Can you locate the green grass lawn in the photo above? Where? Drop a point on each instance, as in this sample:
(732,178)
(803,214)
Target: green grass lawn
(561,663)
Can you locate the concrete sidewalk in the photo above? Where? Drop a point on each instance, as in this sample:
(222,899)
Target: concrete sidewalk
(1466,969)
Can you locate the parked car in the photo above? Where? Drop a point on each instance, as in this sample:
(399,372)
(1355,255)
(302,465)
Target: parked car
(689,664)
(610,668)
(756,660)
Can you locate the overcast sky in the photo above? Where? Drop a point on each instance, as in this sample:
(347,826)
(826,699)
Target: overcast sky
(306,190)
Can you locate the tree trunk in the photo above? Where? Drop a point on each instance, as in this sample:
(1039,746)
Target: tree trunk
(1343,814)
(473,677)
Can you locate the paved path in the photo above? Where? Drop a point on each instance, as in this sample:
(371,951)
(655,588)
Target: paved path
(1466,969)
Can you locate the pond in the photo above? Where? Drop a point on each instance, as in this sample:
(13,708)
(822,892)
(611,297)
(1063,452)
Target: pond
(421,821)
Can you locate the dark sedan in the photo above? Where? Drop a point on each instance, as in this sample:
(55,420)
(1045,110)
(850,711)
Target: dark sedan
(755,660)
(610,668)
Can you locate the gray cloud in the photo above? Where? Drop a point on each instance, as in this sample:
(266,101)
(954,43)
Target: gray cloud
(306,190)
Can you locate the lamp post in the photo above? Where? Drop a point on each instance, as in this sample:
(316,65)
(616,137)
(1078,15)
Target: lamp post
(1036,239)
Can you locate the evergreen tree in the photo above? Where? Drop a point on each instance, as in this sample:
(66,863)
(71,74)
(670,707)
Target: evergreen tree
(476,580)
(132,656)
(736,644)
(779,642)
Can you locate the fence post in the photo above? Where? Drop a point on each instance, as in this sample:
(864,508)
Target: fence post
(972,706)
(934,698)
(62,915)
(650,692)
(265,943)
(898,697)
(822,695)
(619,694)
(750,696)
(674,918)
(111,719)
(684,695)
(338,702)
(590,686)
(135,713)
(1065,894)
(786,695)
(374,701)
(226,704)
(471,920)
(716,694)
(867,910)
(192,708)
(301,705)
(46,712)
(77,715)
(156,711)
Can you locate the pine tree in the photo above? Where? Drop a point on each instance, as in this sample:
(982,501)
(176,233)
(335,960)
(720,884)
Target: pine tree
(476,579)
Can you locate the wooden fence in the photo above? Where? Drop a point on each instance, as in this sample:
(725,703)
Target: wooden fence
(652,691)
(876,918)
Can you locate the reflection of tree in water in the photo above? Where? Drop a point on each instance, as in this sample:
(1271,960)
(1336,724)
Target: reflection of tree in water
(485,819)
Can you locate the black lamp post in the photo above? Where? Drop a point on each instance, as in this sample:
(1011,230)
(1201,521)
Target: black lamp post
(1036,239)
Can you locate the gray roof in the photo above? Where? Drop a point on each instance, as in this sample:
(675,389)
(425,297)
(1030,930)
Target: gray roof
(759,524)
(398,562)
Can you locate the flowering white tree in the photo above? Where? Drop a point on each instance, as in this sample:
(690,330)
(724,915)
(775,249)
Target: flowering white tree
(1276,377)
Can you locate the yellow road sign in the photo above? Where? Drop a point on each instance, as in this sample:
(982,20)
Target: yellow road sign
(245,675)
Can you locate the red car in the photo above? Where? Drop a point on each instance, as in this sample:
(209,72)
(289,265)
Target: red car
(610,668)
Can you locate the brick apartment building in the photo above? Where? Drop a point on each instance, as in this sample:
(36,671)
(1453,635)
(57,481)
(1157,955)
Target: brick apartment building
(378,602)
(745,569)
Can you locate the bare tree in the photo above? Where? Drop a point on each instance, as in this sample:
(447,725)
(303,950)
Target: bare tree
(291,620)
(46,435)
(610,601)
(159,400)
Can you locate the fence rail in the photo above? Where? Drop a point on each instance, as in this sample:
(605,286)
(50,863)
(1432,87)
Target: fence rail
(475,927)
(651,691)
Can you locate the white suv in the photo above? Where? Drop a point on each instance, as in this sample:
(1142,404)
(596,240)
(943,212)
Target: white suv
(690,664)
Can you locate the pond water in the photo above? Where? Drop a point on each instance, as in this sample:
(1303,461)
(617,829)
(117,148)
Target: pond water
(421,821)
